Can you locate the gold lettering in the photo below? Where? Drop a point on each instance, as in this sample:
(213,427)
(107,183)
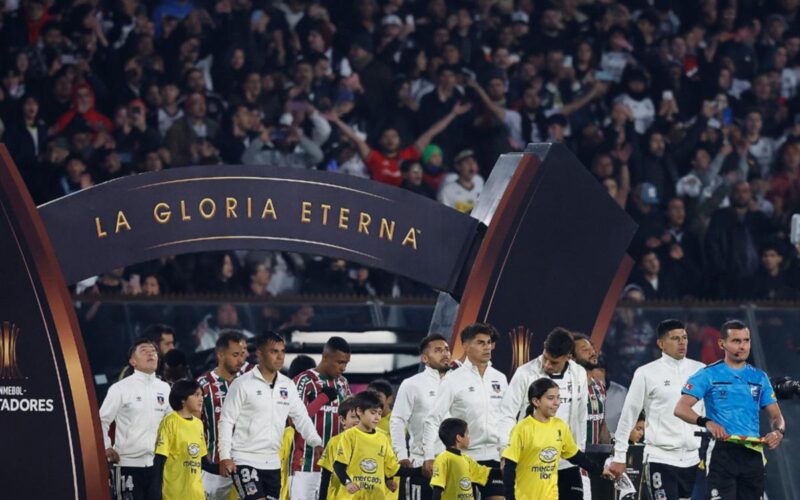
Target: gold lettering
(162,213)
(343,217)
(305,212)
(184,215)
(230,208)
(411,238)
(325,208)
(100,232)
(121,222)
(210,202)
(269,208)
(364,221)
(249,207)
(386,228)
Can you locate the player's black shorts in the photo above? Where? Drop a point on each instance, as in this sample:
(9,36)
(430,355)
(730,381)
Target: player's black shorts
(667,482)
(570,484)
(494,485)
(254,483)
(415,488)
(733,471)
(135,483)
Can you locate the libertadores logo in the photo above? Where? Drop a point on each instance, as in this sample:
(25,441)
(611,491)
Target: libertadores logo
(9,368)
(520,346)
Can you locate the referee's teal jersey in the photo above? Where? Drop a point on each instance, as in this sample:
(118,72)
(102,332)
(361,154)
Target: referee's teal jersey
(732,398)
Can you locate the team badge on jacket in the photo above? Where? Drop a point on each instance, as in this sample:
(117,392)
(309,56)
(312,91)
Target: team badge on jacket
(496,386)
(284,393)
(160,399)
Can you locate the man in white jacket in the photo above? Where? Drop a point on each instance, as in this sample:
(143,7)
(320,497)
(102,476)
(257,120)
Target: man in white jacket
(554,363)
(473,393)
(252,423)
(671,448)
(415,399)
(137,404)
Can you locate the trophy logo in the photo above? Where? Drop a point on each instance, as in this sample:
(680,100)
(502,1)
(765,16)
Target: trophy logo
(8,352)
(520,338)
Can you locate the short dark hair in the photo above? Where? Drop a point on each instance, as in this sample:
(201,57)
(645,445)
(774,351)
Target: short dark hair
(156,330)
(559,342)
(428,339)
(450,429)
(139,342)
(346,407)
(733,324)
(300,364)
(381,385)
(267,338)
(180,391)
(668,325)
(471,331)
(226,337)
(174,358)
(337,344)
(367,400)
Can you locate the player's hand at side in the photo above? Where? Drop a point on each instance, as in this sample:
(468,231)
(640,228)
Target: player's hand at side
(616,469)
(352,488)
(112,456)
(391,484)
(427,468)
(406,463)
(716,430)
(318,453)
(607,474)
(773,439)
(226,467)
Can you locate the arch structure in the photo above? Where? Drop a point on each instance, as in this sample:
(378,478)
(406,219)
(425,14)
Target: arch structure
(544,247)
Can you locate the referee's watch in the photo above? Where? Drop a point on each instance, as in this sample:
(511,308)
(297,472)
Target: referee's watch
(782,431)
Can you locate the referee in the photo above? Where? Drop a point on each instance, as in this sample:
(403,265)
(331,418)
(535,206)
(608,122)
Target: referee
(733,392)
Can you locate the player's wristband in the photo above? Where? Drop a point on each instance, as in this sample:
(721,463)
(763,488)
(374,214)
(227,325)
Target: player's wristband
(782,431)
(702,421)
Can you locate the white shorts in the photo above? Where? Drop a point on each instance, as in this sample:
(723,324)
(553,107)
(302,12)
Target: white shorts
(305,485)
(216,487)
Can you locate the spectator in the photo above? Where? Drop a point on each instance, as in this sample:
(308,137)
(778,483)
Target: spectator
(654,282)
(462,192)
(226,317)
(734,236)
(770,281)
(383,163)
(285,146)
(188,134)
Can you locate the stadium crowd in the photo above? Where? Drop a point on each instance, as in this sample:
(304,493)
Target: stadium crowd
(688,113)
(252,429)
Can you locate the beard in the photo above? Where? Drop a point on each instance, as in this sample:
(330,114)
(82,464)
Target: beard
(587,364)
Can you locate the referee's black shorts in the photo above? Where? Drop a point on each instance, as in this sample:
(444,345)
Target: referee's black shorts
(733,472)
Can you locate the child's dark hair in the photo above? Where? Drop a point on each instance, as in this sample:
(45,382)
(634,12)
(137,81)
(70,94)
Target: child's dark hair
(346,407)
(451,428)
(180,391)
(537,390)
(381,385)
(367,400)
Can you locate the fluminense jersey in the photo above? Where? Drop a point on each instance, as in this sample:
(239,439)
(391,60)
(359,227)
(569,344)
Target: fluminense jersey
(369,459)
(596,411)
(326,417)
(215,388)
(455,473)
(536,447)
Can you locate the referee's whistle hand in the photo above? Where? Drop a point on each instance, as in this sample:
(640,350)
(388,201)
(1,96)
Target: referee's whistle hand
(226,468)
(112,456)
(773,439)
